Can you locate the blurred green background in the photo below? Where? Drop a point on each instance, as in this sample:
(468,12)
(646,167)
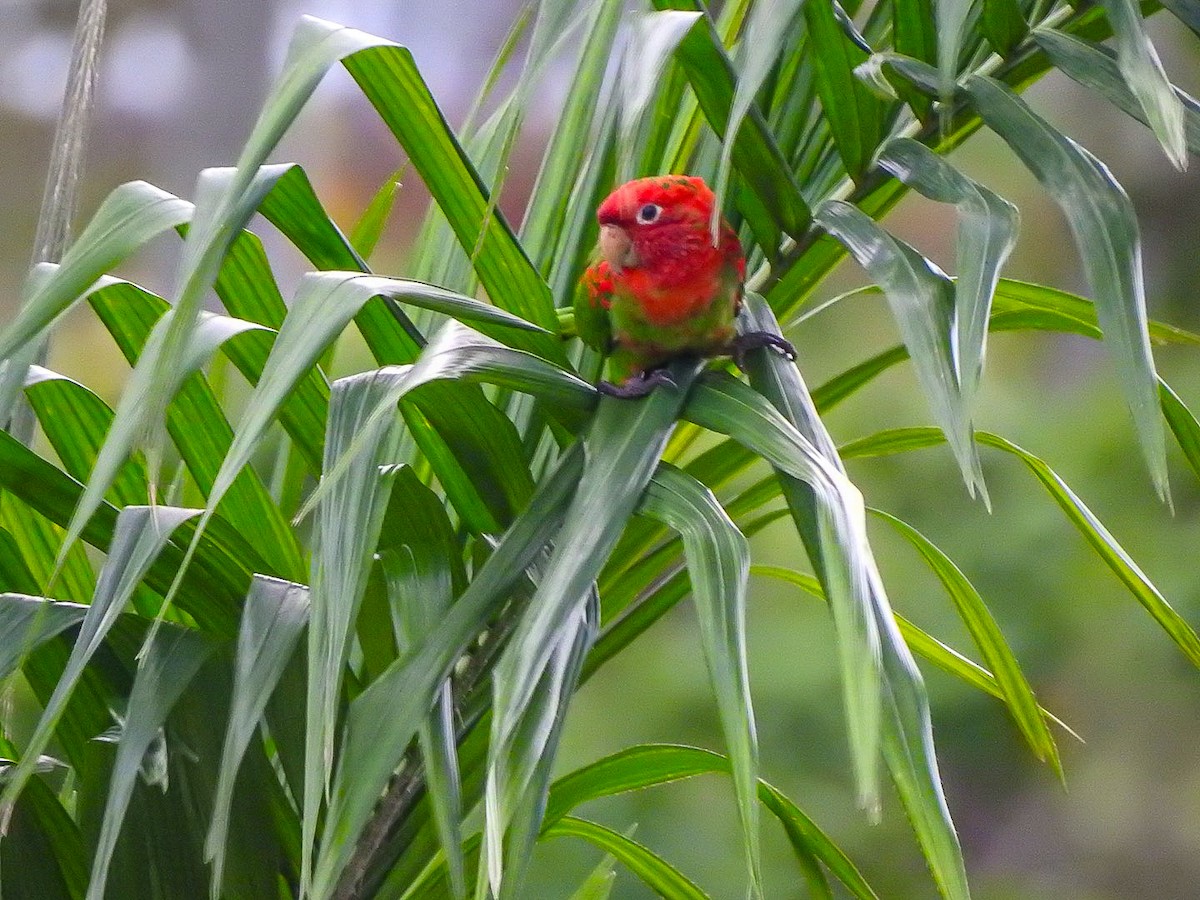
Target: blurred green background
(1127,823)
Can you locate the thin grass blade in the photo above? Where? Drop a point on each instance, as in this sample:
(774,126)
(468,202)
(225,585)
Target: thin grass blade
(1077,512)
(907,733)
(653,871)
(1018,695)
(727,406)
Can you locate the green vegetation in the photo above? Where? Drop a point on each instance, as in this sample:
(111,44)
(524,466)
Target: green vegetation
(331,643)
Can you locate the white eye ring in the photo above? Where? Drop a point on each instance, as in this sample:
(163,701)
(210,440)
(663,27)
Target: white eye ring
(648,213)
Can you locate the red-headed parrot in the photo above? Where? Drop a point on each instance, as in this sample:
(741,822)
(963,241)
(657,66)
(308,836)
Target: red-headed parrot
(660,289)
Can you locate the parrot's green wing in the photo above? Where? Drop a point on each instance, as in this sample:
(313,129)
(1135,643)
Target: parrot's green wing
(592,300)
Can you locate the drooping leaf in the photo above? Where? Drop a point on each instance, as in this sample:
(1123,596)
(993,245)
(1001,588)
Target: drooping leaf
(907,731)
(987,233)
(920,296)
(1097,67)
(1105,228)
(727,406)
(129,217)
(1139,64)
(718,560)
(25,622)
(1077,512)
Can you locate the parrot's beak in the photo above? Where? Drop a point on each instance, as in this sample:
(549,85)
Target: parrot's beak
(617,247)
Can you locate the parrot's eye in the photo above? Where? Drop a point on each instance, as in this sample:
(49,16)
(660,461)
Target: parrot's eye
(649,213)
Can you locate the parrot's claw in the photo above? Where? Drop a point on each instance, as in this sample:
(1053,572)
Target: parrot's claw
(638,385)
(756,340)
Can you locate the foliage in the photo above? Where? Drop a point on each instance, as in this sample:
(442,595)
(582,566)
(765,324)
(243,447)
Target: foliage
(374,618)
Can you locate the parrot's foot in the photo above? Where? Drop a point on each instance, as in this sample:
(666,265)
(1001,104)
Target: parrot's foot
(638,385)
(756,340)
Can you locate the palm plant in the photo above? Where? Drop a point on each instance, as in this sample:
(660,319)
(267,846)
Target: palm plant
(342,626)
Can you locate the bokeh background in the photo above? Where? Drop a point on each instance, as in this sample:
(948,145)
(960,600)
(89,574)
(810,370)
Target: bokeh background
(179,86)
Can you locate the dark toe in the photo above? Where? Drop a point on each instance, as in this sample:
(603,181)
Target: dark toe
(756,340)
(637,386)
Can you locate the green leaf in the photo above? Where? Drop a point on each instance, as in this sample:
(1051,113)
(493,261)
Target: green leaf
(624,445)
(1018,695)
(457,353)
(211,590)
(383,719)
(648,765)
(907,732)
(599,883)
(924,645)
(756,156)
(1096,67)
(273,617)
(987,233)
(374,219)
(172,661)
(1003,22)
(1182,424)
(141,533)
(348,526)
(922,305)
(952,18)
(196,421)
(26,622)
(854,113)
(1143,72)
(768,28)
(915,34)
(1105,228)
(75,421)
(132,417)
(647,54)
(390,79)
(718,561)
(655,872)
(1093,530)
(550,212)
(423,569)
(129,217)
(727,406)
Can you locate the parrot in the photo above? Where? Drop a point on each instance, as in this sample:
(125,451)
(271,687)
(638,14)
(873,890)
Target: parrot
(660,289)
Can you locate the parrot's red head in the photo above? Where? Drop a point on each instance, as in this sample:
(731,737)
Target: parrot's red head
(660,223)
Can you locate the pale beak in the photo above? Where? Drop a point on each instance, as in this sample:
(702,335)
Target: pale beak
(617,248)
